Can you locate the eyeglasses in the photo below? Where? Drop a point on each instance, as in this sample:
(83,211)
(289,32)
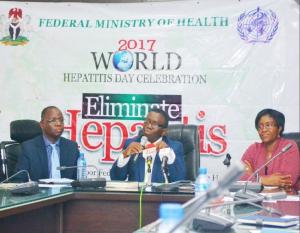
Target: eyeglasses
(267,126)
(153,124)
(55,120)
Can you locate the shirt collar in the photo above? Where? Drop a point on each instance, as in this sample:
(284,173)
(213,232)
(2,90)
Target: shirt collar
(47,142)
(157,141)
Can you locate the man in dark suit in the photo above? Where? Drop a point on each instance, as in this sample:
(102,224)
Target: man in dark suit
(41,155)
(132,164)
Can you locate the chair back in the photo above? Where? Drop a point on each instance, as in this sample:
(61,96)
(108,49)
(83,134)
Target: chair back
(20,131)
(188,135)
(296,137)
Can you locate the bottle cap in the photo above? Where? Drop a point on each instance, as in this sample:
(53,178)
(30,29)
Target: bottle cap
(202,170)
(81,154)
(171,211)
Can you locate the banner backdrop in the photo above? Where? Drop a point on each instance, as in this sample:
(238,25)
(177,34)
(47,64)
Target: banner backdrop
(211,63)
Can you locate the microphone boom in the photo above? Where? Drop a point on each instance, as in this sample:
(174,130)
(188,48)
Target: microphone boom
(244,194)
(27,188)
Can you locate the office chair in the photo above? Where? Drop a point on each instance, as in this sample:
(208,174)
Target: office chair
(20,131)
(296,137)
(188,135)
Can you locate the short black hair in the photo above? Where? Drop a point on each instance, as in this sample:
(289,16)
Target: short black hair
(276,115)
(164,114)
(43,113)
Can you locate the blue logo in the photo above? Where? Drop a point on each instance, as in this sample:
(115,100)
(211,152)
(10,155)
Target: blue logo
(123,60)
(257,26)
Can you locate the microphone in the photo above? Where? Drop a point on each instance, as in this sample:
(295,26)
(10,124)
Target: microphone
(148,155)
(86,183)
(210,221)
(243,193)
(27,188)
(216,190)
(163,154)
(214,222)
(149,162)
(164,163)
(144,139)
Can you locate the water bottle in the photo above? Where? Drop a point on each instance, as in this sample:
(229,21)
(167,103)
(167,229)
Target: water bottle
(81,167)
(170,214)
(201,182)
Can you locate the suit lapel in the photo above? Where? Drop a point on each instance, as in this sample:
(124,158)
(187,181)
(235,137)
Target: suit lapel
(42,156)
(156,172)
(63,156)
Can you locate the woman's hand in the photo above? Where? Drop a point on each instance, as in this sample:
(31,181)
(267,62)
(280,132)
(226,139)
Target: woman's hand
(248,167)
(277,179)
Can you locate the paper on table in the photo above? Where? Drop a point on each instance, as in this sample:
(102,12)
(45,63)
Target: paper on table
(8,185)
(288,198)
(56,181)
(54,185)
(292,198)
(261,220)
(124,185)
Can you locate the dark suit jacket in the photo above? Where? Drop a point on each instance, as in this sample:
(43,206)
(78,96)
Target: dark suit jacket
(135,170)
(34,159)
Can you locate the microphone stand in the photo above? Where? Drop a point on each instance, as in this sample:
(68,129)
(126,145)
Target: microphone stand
(165,169)
(186,205)
(194,205)
(86,183)
(7,179)
(27,188)
(246,194)
(233,174)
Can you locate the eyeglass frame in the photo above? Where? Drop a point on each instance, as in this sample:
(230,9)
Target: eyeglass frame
(267,126)
(153,124)
(55,120)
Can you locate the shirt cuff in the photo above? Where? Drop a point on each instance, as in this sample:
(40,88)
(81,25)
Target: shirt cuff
(122,162)
(172,157)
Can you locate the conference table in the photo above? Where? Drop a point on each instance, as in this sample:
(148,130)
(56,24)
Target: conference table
(275,204)
(81,210)
(111,209)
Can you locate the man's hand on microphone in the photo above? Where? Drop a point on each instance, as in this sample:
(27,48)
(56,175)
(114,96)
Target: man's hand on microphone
(277,179)
(133,149)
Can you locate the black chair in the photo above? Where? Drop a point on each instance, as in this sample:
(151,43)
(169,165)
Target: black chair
(20,131)
(294,136)
(188,135)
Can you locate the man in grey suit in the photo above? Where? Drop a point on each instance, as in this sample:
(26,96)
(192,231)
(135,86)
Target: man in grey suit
(41,155)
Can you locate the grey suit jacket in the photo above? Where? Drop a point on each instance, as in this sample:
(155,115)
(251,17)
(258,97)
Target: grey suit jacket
(34,159)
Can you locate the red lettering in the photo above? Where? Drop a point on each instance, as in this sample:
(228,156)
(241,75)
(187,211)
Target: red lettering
(214,137)
(136,128)
(73,124)
(108,139)
(201,130)
(219,140)
(86,134)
